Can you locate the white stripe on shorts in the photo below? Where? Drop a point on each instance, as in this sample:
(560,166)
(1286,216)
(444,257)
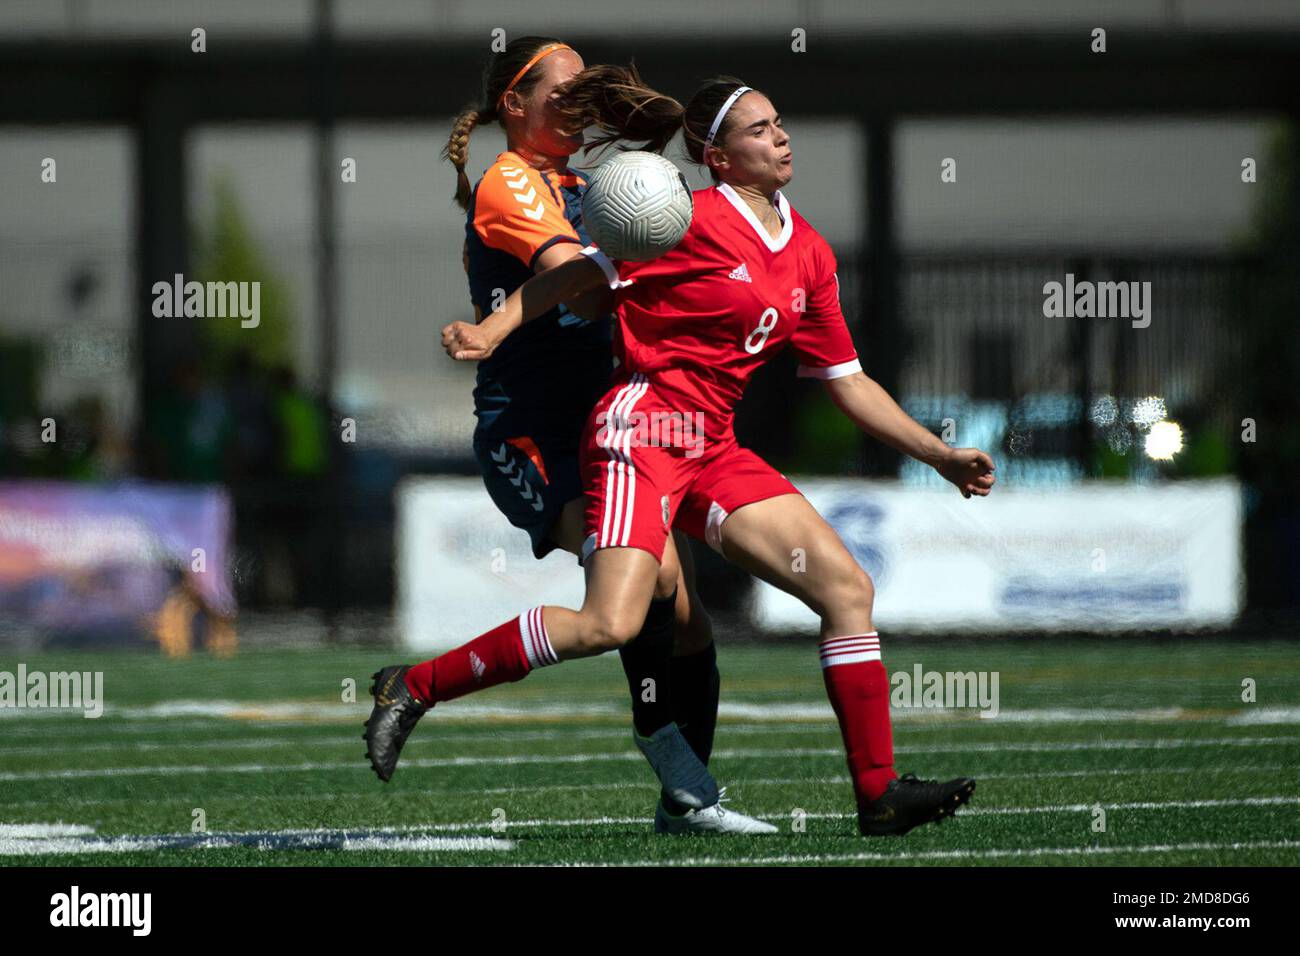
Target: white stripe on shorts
(609,471)
(611,430)
(620,474)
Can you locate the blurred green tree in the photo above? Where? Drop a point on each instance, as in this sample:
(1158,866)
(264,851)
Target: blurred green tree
(226,251)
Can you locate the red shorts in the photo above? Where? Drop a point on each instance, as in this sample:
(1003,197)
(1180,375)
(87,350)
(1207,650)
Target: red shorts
(647,468)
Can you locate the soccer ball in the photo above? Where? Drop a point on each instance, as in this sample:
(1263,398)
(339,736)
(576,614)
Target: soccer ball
(637,206)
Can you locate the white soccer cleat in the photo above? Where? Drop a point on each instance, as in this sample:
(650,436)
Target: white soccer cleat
(714,819)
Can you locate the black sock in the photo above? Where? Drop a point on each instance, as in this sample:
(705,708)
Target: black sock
(695,698)
(648,657)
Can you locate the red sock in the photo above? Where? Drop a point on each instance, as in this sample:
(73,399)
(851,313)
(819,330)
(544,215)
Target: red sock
(858,687)
(505,653)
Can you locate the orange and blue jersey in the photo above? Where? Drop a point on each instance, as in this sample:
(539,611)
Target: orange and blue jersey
(542,381)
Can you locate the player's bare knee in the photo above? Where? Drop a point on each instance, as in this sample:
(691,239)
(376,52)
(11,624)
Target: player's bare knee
(849,591)
(622,631)
(610,630)
(862,588)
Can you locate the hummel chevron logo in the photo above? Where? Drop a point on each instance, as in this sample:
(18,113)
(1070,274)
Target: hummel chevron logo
(532,497)
(741,273)
(526,199)
(502,453)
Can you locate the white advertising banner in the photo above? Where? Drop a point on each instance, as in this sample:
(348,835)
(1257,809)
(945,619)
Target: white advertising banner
(462,568)
(1099,556)
(1092,557)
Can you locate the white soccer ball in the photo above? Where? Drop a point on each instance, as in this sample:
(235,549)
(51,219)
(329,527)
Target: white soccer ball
(637,206)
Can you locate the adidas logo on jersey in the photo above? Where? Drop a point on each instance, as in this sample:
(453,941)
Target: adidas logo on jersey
(741,273)
(477,666)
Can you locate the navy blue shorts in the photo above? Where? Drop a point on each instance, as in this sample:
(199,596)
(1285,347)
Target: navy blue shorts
(530,482)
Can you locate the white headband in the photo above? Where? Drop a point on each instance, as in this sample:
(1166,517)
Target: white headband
(717,120)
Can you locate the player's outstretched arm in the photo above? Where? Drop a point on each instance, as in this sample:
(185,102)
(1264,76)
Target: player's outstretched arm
(591,305)
(465,341)
(872,409)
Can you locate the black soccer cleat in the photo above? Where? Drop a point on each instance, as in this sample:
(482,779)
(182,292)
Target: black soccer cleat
(391,721)
(908,802)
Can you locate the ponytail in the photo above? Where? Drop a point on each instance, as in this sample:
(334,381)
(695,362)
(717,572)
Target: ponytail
(457,150)
(617,101)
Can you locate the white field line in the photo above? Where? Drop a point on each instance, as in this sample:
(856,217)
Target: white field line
(1256,716)
(474,825)
(1142,805)
(41,729)
(647,786)
(1030,853)
(438,736)
(253,742)
(33,838)
(442,844)
(602,821)
(843,779)
(965,811)
(32,831)
(433,737)
(758,711)
(385,839)
(337,710)
(599,757)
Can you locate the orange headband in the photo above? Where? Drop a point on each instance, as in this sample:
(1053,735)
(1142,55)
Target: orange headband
(549,48)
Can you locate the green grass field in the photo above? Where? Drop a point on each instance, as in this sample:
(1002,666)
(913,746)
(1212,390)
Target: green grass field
(264,746)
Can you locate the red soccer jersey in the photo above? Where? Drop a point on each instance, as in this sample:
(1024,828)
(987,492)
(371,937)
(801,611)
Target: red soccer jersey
(699,320)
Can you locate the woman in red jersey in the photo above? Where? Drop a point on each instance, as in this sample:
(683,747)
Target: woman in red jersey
(750,276)
(523,217)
